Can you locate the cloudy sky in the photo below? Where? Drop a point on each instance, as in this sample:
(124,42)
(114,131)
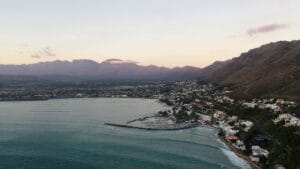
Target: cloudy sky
(162,32)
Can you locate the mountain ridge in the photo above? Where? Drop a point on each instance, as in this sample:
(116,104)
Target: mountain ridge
(112,69)
(270,70)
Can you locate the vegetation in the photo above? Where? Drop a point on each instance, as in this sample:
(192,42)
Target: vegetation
(287,151)
(261,71)
(295,110)
(284,142)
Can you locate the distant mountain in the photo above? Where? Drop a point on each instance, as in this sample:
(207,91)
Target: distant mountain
(112,69)
(270,70)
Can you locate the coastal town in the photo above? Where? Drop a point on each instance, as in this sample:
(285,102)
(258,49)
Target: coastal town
(256,129)
(249,128)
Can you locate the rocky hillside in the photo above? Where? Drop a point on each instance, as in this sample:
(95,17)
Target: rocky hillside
(270,70)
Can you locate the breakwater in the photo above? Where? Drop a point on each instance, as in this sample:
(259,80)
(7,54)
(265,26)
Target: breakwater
(173,127)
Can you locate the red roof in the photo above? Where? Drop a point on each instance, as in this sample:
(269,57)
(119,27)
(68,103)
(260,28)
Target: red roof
(232,138)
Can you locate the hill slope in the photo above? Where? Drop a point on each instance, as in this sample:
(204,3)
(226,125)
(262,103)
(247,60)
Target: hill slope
(270,70)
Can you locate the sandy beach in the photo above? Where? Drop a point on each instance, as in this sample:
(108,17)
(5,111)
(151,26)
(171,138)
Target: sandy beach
(239,154)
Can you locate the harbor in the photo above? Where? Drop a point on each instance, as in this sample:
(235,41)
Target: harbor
(156,123)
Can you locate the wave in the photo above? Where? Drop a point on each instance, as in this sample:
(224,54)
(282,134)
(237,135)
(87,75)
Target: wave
(185,142)
(235,159)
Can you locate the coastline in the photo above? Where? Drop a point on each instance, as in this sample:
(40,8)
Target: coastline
(222,139)
(58,98)
(238,153)
(63,98)
(233,149)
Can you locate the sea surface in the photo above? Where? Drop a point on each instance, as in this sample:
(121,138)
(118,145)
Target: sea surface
(70,134)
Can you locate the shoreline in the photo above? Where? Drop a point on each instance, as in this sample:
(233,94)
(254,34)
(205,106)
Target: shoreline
(37,100)
(233,149)
(222,139)
(238,153)
(58,98)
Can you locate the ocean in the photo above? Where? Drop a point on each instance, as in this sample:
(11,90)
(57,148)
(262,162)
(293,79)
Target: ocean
(70,134)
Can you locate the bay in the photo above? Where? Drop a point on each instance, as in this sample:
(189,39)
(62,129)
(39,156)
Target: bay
(70,134)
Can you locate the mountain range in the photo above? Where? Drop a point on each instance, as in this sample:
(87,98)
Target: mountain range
(270,70)
(111,69)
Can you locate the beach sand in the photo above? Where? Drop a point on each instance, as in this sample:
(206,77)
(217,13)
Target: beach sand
(239,153)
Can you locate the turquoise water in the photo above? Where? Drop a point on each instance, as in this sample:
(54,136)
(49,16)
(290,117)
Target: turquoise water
(70,134)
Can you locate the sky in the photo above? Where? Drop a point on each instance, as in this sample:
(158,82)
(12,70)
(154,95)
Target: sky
(160,32)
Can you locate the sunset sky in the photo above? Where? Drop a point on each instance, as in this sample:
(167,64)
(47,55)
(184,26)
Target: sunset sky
(161,32)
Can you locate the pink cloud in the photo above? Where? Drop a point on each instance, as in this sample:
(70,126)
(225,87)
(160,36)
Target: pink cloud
(266,28)
(43,52)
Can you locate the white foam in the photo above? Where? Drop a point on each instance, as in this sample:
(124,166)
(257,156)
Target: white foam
(237,161)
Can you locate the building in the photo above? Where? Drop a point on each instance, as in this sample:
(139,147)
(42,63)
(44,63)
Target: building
(258,151)
(288,119)
(220,115)
(246,125)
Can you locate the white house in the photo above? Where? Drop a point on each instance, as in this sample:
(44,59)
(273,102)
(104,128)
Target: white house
(288,119)
(258,151)
(246,125)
